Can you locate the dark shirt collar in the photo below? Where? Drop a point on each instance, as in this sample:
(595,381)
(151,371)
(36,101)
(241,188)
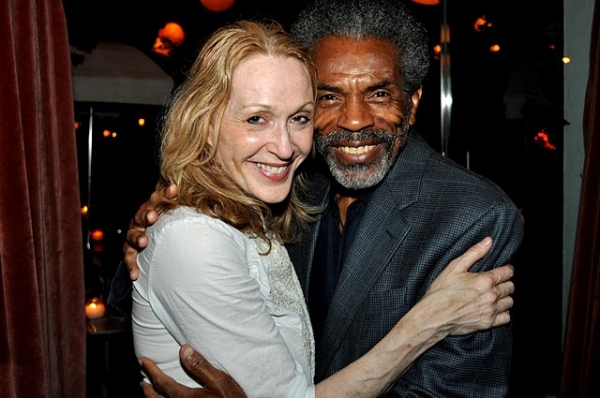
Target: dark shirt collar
(363,195)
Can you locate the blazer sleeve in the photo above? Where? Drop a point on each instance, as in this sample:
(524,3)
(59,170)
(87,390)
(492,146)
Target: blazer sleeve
(119,296)
(478,364)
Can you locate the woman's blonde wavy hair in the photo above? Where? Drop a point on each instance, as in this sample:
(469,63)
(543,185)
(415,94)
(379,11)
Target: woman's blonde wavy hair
(187,159)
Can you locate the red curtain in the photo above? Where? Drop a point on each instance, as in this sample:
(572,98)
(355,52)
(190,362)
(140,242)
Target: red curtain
(581,365)
(42,321)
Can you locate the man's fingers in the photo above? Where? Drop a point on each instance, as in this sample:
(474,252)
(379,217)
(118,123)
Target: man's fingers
(130,262)
(161,383)
(215,381)
(144,217)
(136,238)
(171,191)
(156,197)
(149,392)
(196,364)
(152,371)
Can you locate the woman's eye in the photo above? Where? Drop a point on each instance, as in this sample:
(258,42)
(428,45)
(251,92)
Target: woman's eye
(255,120)
(301,119)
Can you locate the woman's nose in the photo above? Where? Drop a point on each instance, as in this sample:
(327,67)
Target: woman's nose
(281,143)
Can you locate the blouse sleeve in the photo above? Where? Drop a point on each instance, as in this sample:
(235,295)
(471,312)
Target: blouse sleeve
(201,287)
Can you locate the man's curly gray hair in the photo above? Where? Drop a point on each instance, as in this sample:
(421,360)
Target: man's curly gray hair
(358,19)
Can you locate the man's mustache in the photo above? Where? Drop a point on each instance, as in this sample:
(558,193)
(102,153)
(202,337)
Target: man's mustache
(343,136)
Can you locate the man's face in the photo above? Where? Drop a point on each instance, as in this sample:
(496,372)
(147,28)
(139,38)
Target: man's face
(362,115)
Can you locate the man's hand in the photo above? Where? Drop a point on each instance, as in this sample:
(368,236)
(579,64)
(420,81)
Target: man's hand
(144,217)
(216,383)
(464,302)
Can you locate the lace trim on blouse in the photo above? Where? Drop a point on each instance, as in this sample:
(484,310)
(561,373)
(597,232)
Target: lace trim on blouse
(286,290)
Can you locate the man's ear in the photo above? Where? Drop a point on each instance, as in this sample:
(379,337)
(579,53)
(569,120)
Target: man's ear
(415,98)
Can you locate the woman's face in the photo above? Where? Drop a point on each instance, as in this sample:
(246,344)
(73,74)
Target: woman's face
(267,127)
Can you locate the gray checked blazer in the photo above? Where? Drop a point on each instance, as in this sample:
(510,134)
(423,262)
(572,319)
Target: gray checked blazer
(426,212)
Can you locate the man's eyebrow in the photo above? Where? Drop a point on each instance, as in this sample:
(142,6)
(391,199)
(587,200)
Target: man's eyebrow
(327,87)
(374,87)
(380,85)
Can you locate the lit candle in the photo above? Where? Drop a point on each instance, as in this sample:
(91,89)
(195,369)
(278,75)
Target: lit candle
(95,308)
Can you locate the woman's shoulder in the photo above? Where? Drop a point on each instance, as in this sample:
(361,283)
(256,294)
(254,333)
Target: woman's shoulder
(187,221)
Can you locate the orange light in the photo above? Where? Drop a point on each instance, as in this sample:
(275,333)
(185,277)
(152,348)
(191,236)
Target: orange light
(481,24)
(84,210)
(437,51)
(95,308)
(106,133)
(141,121)
(97,235)
(217,5)
(566,60)
(77,125)
(543,140)
(427,2)
(494,48)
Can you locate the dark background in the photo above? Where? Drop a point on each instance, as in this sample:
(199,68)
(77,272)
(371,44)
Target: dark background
(525,75)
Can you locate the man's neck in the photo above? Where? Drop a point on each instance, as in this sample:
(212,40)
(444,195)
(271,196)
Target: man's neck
(344,198)
(343,202)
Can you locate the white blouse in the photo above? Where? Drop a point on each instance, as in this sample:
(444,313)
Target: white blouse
(204,283)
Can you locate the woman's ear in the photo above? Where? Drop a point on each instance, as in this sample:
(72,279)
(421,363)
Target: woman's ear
(213,135)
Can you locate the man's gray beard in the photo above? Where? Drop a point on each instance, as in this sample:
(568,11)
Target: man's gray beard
(364,175)
(359,176)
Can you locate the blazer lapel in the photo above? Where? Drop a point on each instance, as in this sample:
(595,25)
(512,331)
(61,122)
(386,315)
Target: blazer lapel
(380,234)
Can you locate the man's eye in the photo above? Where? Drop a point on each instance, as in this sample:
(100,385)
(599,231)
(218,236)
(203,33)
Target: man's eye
(327,97)
(381,94)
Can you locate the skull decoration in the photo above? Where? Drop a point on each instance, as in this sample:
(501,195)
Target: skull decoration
(170,36)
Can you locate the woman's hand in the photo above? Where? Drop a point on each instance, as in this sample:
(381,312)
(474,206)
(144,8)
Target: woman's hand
(463,302)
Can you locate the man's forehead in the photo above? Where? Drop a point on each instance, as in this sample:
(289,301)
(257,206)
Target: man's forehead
(335,49)
(364,62)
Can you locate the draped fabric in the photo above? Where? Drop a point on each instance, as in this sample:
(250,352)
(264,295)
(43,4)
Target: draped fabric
(42,321)
(581,365)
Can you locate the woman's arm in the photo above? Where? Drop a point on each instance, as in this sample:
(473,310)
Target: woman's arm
(458,302)
(208,287)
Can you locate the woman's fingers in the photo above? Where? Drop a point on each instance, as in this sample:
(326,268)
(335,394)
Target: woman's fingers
(471,256)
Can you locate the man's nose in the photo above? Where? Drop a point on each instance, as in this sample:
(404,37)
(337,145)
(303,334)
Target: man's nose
(355,115)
